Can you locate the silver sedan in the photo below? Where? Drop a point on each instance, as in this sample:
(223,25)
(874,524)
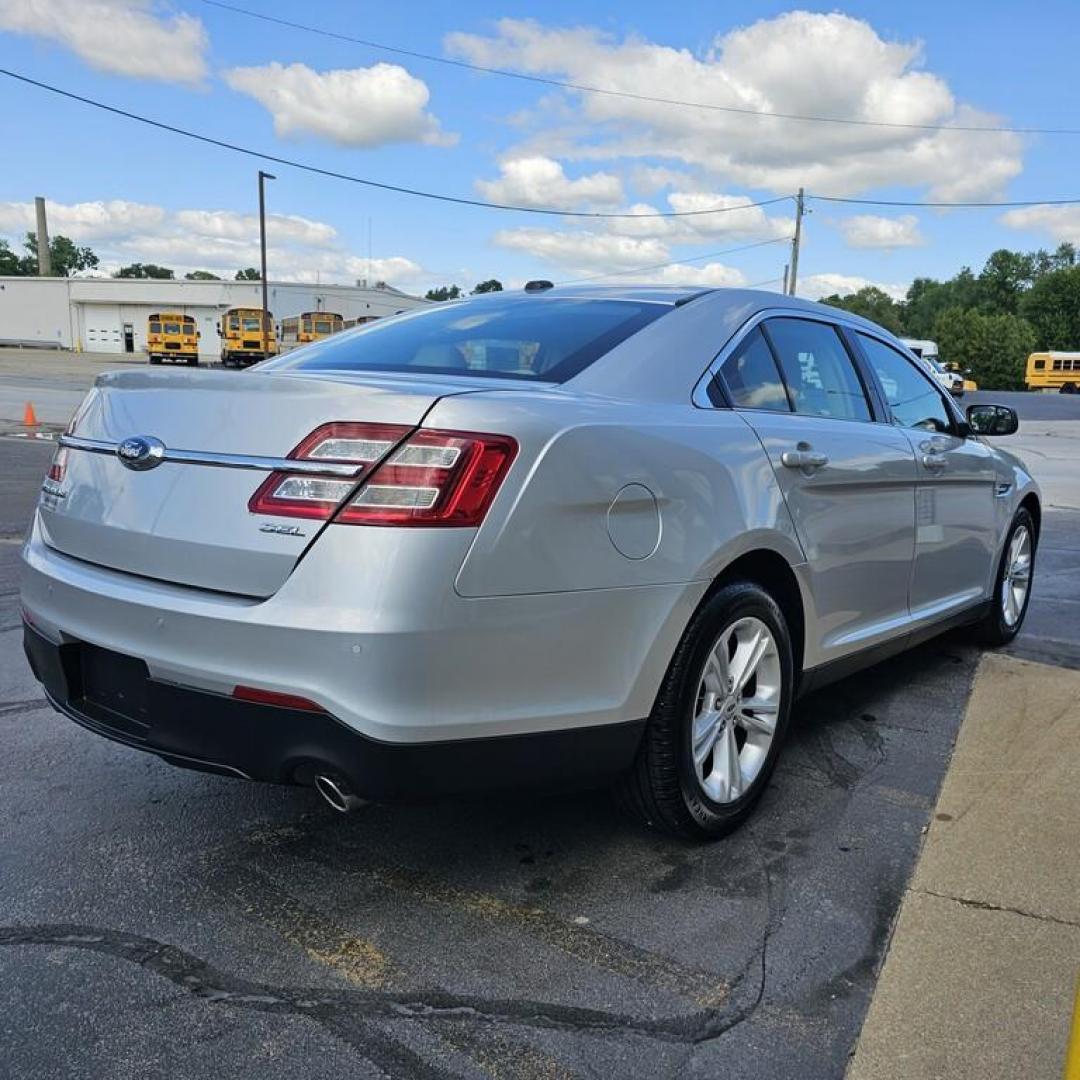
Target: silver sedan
(560,537)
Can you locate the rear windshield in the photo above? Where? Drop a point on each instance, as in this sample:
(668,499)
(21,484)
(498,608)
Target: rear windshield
(546,340)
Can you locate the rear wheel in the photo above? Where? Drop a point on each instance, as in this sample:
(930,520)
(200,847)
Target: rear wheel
(720,718)
(154,359)
(1012,586)
(193,361)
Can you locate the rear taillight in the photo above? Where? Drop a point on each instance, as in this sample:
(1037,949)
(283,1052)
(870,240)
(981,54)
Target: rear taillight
(54,479)
(298,495)
(431,478)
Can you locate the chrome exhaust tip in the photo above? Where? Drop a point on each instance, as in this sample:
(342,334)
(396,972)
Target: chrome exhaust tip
(337,794)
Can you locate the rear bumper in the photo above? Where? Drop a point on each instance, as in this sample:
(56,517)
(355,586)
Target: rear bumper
(214,733)
(369,627)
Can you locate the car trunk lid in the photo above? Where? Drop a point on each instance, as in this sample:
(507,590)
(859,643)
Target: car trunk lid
(188,521)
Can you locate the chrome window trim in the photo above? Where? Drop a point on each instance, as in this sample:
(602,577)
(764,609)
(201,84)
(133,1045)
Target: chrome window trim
(225,461)
(700,397)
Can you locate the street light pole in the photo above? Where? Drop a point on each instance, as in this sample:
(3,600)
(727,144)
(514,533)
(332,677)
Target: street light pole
(262,251)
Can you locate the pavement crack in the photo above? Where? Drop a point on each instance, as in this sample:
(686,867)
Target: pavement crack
(337,1009)
(984,905)
(8,708)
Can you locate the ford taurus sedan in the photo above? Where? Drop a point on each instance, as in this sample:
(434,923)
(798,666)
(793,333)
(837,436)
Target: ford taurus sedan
(560,537)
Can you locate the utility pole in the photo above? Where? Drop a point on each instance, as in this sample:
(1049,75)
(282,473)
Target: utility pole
(262,248)
(44,253)
(800,209)
(787,271)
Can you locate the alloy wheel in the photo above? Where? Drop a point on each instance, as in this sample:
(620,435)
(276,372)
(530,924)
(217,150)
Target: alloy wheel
(736,709)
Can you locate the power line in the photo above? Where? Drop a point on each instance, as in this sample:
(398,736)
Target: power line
(460,200)
(587,89)
(941,205)
(677,262)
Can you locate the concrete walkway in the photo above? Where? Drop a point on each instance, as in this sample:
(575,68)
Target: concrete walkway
(980,976)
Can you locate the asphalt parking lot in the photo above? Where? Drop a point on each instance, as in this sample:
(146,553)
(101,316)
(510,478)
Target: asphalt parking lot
(156,922)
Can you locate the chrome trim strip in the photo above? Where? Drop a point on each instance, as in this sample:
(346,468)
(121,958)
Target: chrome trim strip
(226,461)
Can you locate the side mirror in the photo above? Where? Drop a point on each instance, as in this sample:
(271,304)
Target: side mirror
(992,419)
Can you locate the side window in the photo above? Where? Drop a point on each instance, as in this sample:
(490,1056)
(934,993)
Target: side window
(819,373)
(913,399)
(751,376)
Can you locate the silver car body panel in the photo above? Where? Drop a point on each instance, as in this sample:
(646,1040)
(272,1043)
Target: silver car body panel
(630,494)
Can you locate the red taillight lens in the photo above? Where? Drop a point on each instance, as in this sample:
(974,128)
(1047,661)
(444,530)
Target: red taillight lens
(59,465)
(297,495)
(433,478)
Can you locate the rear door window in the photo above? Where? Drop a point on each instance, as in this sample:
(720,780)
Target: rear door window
(820,375)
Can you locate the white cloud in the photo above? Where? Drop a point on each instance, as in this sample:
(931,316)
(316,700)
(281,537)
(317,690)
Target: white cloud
(649,179)
(222,241)
(735,220)
(816,286)
(872,231)
(541,181)
(362,107)
(1061,223)
(583,250)
(84,221)
(122,37)
(798,62)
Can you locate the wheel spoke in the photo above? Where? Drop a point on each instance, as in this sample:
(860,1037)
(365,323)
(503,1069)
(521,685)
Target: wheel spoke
(704,736)
(746,659)
(728,751)
(757,714)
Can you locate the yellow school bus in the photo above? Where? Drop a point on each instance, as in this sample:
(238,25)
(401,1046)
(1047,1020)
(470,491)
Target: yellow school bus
(242,336)
(171,336)
(1050,371)
(310,326)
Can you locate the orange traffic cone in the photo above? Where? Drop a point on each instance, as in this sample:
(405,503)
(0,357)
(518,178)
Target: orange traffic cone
(29,417)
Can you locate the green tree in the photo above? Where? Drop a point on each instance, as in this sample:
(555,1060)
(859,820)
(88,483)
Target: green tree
(874,304)
(1062,258)
(491,285)
(200,275)
(145,270)
(249,274)
(927,299)
(1052,307)
(992,348)
(1004,279)
(443,292)
(11,265)
(65,256)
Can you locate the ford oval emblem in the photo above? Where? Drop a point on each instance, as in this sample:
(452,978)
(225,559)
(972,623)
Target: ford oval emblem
(141,452)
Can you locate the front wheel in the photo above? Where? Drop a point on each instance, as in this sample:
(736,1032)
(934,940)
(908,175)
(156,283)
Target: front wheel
(1012,585)
(719,720)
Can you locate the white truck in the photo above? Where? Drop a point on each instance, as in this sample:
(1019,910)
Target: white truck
(953,381)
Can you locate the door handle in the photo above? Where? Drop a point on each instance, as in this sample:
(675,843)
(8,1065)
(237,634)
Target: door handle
(934,462)
(803,458)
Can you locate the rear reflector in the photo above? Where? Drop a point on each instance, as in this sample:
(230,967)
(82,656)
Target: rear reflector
(431,478)
(272,697)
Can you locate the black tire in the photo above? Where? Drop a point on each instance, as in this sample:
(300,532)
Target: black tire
(662,788)
(1068,388)
(994,629)
(193,361)
(154,359)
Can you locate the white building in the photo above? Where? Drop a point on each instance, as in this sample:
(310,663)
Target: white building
(110,314)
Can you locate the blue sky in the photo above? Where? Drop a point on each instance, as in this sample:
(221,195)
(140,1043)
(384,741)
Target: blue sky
(137,195)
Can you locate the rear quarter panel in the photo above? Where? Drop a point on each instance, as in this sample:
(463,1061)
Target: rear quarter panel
(700,486)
